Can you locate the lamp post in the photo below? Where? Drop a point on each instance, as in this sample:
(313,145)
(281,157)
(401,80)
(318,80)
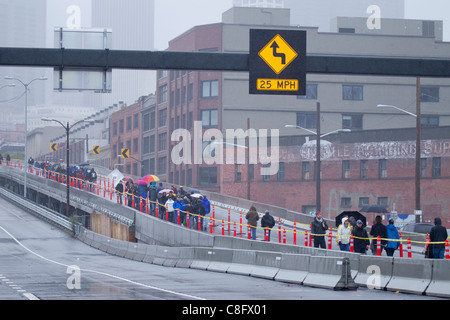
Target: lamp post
(67,128)
(418,212)
(318,160)
(25,85)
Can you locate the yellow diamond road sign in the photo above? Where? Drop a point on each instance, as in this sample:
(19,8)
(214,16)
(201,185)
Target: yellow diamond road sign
(278,54)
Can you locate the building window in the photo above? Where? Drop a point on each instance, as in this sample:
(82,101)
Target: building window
(311,92)
(307,120)
(305,171)
(162,118)
(190,124)
(136,145)
(423,167)
(429,94)
(363,201)
(237,172)
(191,92)
(162,74)
(352,121)
(346,169)
(352,92)
(152,119)
(429,121)
(121,126)
(210,118)
(129,123)
(162,166)
(346,202)
(146,122)
(152,144)
(266,177)
(162,94)
(280,174)
(252,172)
(115,129)
(162,142)
(210,89)
(382,169)
(383,201)
(207,176)
(364,169)
(436,167)
(146,145)
(136,121)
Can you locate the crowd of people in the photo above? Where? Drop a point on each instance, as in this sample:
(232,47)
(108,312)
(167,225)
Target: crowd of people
(389,236)
(166,203)
(48,169)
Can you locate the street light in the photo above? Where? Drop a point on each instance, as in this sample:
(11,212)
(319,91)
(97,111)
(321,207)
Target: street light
(26,85)
(318,161)
(67,128)
(418,152)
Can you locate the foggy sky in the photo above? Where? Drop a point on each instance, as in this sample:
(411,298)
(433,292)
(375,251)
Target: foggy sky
(173,17)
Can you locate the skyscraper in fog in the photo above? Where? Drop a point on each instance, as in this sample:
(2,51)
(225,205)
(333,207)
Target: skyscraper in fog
(31,23)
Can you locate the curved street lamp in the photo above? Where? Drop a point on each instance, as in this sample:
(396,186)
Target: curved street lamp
(67,128)
(318,164)
(26,85)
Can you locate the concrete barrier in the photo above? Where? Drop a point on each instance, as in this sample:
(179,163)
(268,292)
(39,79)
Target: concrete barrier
(353,257)
(293,268)
(220,259)
(440,281)
(328,272)
(243,262)
(374,272)
(202,258)
(410,275)
(267,265)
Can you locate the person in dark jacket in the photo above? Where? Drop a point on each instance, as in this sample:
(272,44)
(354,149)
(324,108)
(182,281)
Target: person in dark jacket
(252,220)
(378,230)
(438,234)
(361,241)
(267,221)
(318,229)
(119,189)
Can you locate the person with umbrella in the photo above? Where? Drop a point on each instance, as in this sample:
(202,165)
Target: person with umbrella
(318,229)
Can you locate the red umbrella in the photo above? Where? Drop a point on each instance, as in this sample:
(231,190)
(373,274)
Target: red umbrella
(150,178)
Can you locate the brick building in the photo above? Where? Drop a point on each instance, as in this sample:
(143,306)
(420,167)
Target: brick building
(357,169)
(125,134)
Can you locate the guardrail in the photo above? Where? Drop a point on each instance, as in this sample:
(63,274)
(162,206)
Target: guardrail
(39,210)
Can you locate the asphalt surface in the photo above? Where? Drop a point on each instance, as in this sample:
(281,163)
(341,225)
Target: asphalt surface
(40,261)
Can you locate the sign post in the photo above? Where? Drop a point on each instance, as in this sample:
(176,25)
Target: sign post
(277,62)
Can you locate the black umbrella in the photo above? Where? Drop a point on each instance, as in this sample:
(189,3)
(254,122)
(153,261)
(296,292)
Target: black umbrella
(356,214)
(374,208)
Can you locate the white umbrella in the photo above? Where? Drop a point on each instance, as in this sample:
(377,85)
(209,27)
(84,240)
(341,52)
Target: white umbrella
(115,176)
(196,195)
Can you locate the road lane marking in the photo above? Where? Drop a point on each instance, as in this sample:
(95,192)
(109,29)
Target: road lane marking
(188,296)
